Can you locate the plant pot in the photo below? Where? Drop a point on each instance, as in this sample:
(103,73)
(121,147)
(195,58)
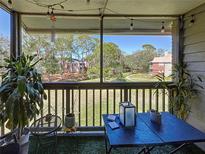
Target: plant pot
(155,116)
(12,148)
(69,120)
(24,143)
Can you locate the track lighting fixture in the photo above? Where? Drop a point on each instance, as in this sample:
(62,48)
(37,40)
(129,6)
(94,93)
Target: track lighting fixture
(163,27)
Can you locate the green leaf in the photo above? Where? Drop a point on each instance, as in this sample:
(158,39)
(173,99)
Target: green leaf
(21,84)
(199,78)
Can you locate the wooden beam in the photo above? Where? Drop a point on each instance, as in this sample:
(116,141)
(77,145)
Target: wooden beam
(59,14)
(97,85)
(5,7)
(105,15)
(105,31)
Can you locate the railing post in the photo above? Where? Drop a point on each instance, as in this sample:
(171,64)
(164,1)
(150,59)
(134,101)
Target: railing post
(67,101)
(171,94)
(143,100)
(63,106)
(125,94)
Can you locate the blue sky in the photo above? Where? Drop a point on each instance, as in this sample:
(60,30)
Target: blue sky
(127,43)
(4,23)
(132,43)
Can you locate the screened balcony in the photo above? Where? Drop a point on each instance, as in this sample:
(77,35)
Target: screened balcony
(89,64)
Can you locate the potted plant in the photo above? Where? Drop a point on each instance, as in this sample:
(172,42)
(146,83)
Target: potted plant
(21,95)
(70,120)
(185,87)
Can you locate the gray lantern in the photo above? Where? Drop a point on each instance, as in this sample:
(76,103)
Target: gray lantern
(127,114)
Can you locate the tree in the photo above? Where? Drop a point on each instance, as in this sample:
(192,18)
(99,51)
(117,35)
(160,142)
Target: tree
(51,65)
(52,54)
(63,50)
(148,47)
(112,60)
(4,47)
(140,60)
(161,52)
(4,51)
(35,44)
(130,63)
(82,46)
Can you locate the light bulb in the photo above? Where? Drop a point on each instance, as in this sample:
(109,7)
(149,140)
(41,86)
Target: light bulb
(88,1)
(162,28)
(192,20)
(10,4)
(131,25)
(48,12)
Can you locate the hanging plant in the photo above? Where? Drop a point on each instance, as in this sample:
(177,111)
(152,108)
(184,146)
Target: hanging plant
(185,87)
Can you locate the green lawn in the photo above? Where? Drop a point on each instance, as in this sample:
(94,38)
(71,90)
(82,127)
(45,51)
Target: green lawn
(130,77)
(140,77)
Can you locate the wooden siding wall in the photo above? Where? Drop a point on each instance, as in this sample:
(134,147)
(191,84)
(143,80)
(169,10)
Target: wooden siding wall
(194,56)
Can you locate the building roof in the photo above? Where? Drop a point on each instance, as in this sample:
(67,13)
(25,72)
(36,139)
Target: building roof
(165,59)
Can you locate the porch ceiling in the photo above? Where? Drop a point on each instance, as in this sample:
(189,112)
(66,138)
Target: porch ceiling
(34,19)
(132,7)
(42,24)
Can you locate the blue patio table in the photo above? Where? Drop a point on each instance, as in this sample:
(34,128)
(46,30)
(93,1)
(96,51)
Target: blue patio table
(148,134)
